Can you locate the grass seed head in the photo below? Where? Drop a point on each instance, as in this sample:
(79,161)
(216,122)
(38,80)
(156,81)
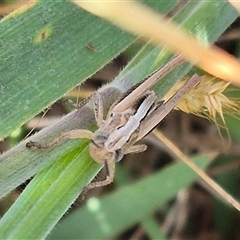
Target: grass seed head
(207,100)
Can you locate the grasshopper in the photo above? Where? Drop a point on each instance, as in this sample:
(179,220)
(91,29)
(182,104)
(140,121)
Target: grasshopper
(129,119)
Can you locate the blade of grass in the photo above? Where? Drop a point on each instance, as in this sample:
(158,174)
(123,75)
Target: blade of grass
(229,180)
(52,191)
(44,54)
(135,201)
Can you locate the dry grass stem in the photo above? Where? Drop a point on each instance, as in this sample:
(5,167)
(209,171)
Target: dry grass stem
(236,4)
(140,20)
(7,8)
(211,185)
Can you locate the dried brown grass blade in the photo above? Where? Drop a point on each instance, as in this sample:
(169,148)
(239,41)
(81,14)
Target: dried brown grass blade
(211,185)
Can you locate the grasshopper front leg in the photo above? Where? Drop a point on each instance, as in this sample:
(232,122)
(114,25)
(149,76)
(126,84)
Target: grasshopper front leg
(78,133)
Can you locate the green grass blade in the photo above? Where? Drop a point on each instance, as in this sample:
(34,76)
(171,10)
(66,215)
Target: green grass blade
(108,216)
(44,54)
(52,191)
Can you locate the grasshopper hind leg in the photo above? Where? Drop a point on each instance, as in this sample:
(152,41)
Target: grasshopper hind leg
(136,149)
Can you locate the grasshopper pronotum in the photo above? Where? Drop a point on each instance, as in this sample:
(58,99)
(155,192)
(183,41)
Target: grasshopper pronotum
(129,119)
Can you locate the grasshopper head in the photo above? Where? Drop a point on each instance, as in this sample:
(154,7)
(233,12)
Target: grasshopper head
(98,150)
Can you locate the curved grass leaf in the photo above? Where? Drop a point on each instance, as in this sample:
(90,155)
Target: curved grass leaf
(110,215)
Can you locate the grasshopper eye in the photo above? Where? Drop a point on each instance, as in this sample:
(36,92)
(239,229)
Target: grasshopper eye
(101,138)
